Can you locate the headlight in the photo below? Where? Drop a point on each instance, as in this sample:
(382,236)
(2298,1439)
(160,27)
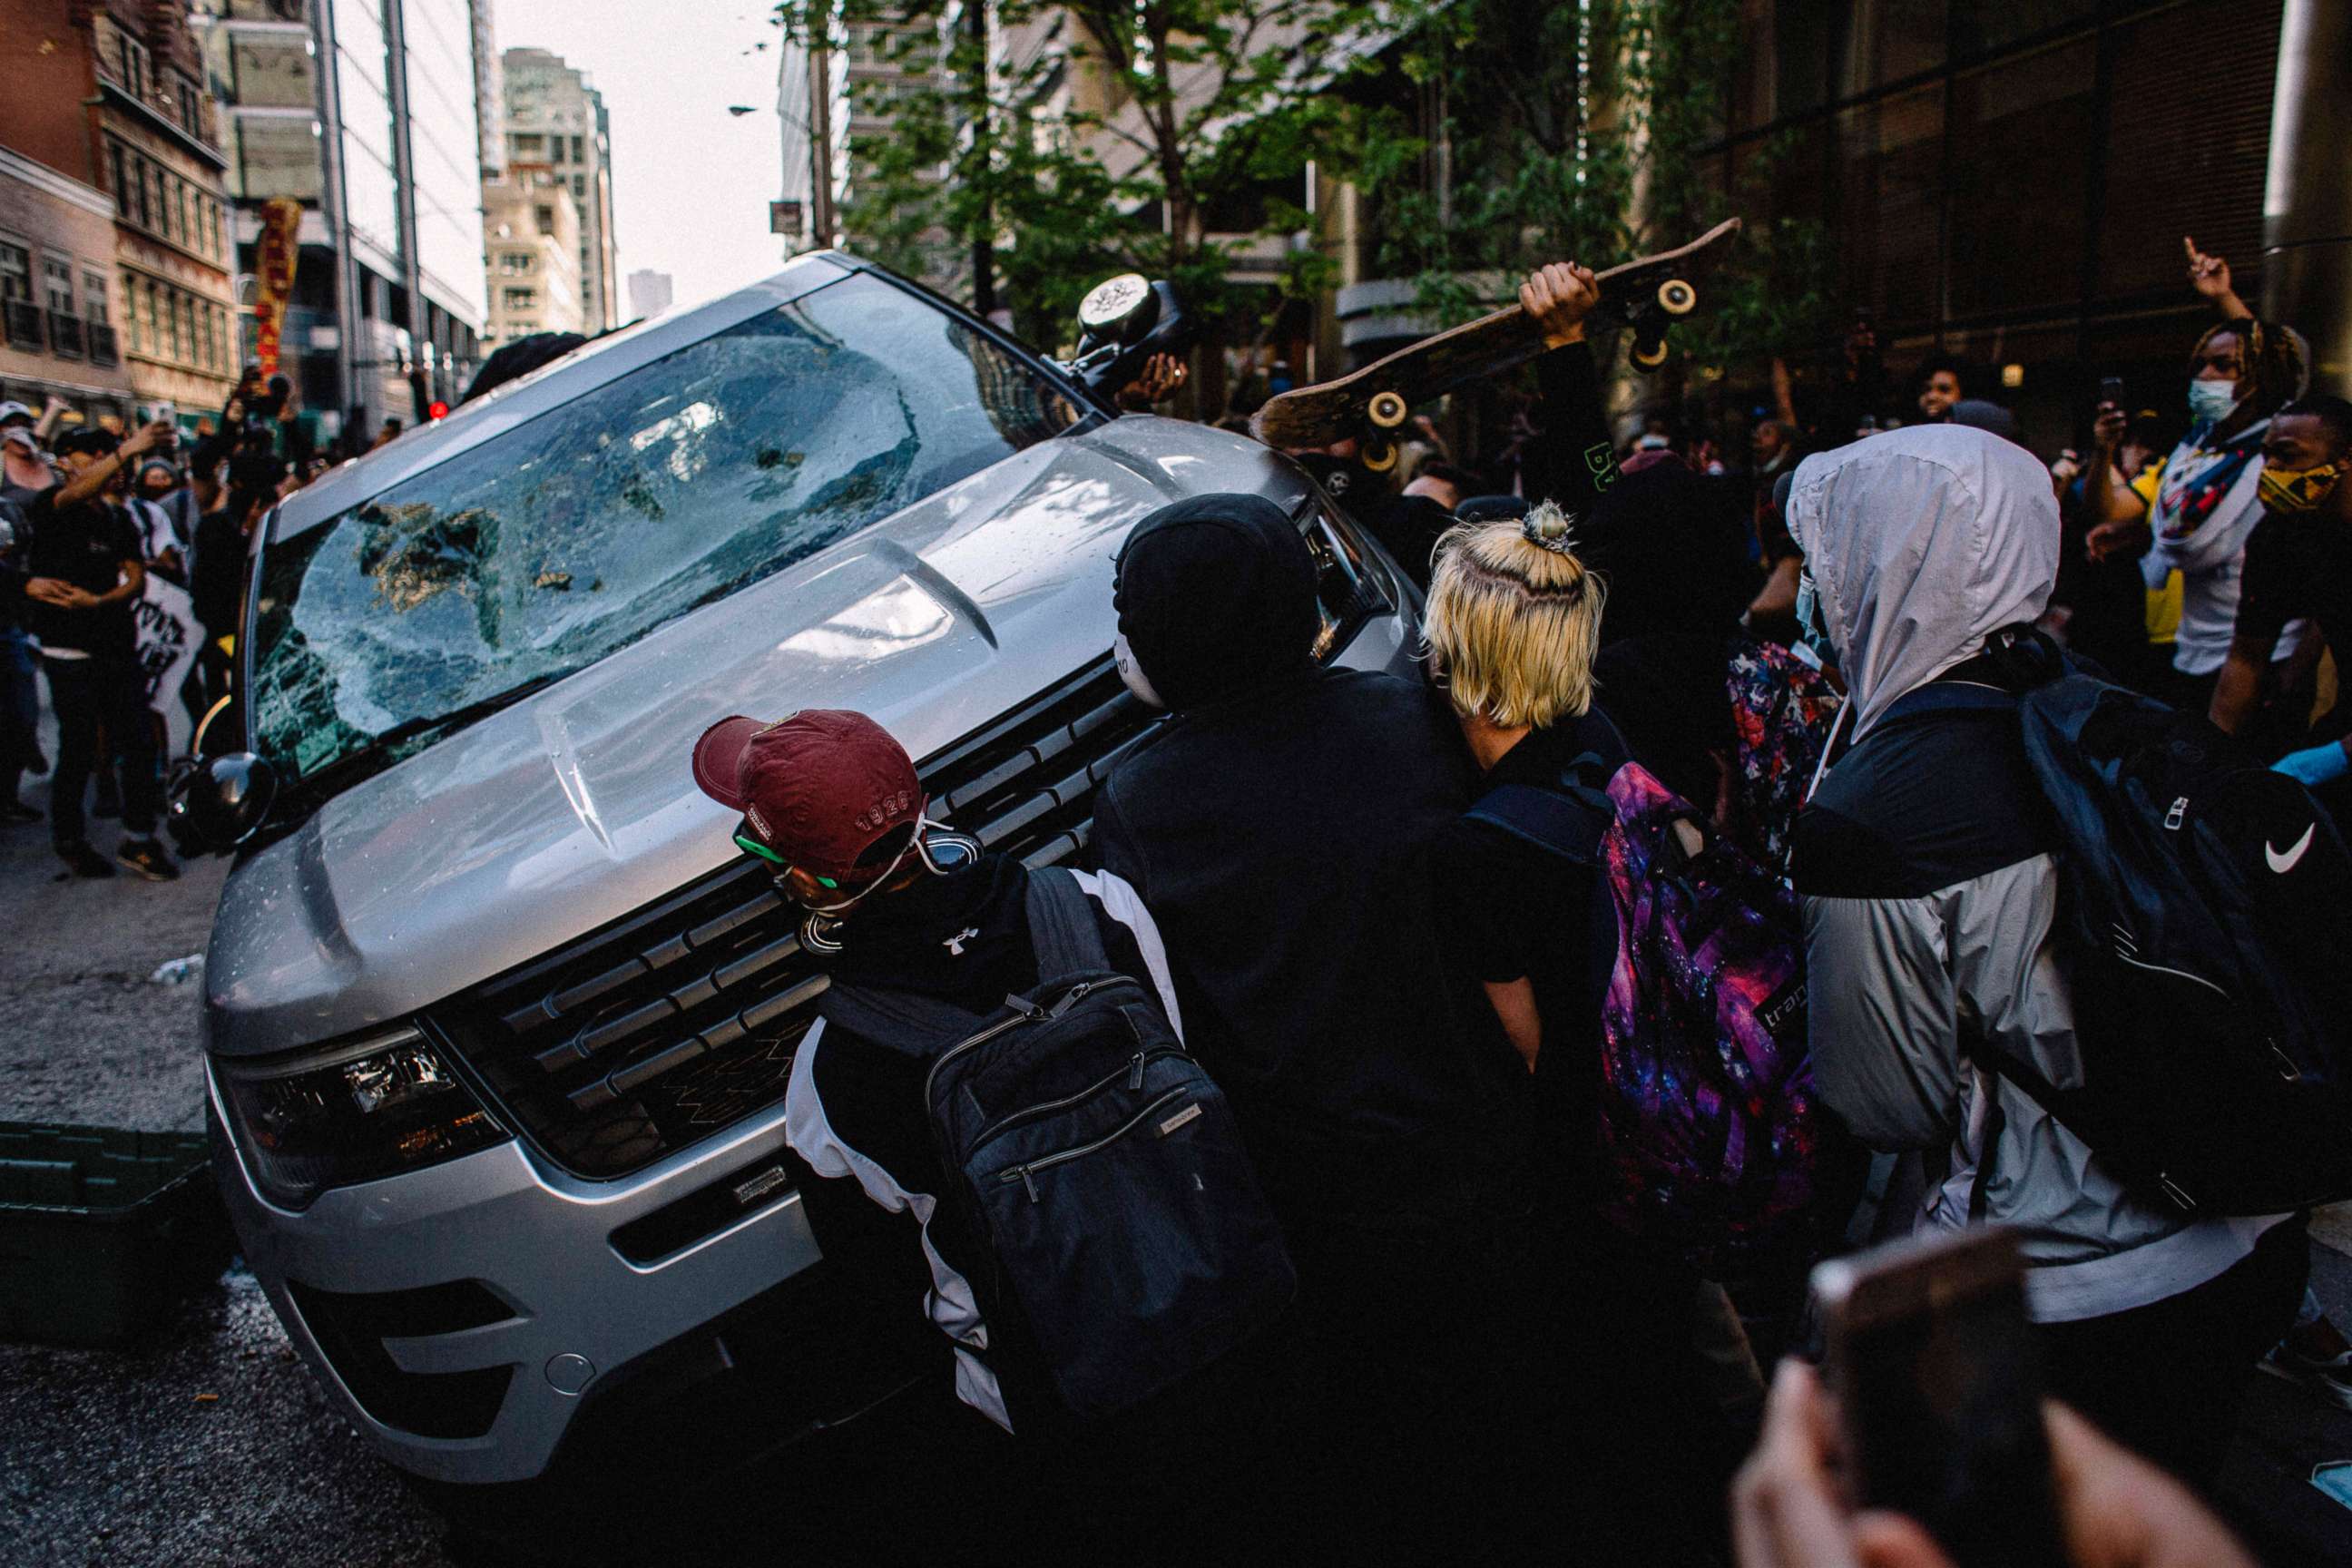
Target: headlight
(1347,592)
(351,1113)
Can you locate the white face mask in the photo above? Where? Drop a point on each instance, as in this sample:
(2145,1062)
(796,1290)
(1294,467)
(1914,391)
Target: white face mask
(2210,402)
(1132,673)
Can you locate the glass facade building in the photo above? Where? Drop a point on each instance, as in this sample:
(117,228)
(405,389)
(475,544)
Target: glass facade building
(367,112)
(2008,180)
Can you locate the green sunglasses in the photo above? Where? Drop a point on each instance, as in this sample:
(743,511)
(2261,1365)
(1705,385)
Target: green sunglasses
(749,844)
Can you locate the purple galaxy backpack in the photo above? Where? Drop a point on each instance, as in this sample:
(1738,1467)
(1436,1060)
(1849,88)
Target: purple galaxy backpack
(1781,710)
(1711,1139)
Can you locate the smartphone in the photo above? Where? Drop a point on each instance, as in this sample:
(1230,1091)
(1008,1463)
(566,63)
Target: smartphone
(2111,390)
(1932,1370)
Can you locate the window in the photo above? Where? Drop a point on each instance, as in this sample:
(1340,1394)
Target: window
(576,150)
(93,297)
(528,145)
(117,165)
(579,187)
(131,326)
(57,282)
(430,597)
(192,112)
(519,298)
(130,63)
(185,208)
(176,309)
(545,217)
(154,319)
(146,199)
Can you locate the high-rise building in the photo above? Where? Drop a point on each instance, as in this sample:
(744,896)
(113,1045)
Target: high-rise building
(836,103)
(650,292)
(115,291)
(531,231)
(555,116)
(381,148)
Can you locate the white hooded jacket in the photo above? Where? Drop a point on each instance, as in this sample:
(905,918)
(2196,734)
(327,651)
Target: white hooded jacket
(1930,891)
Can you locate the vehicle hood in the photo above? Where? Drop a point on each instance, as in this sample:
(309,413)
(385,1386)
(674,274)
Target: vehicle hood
(1922,542)
(576,806)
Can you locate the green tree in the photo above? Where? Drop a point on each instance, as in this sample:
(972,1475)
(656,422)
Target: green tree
(1206,102)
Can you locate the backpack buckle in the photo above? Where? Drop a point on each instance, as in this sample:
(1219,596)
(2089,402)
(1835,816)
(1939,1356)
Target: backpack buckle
(2172,819)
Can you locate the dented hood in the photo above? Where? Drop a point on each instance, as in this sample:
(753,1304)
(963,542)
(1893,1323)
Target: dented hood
(575,805)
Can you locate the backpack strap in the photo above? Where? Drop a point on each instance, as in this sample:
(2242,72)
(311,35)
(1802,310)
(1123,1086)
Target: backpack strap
(1062,927)
(900,1020)
(1569,821)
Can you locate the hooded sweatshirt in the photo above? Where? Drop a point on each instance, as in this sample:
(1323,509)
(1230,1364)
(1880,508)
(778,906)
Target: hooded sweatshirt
(1925,860)
(1274,827)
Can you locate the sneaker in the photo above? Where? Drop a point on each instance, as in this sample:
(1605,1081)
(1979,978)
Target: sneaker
(81,860)
(146,857)
(2315,1355)
(17,811)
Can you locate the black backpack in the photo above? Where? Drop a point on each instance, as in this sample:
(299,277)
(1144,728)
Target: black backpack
(1093,1163)
(2205,910)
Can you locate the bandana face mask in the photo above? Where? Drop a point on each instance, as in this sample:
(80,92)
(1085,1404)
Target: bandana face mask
(2298,489)
(1812,631)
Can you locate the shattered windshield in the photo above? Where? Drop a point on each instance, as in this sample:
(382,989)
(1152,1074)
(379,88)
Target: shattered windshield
(545,549)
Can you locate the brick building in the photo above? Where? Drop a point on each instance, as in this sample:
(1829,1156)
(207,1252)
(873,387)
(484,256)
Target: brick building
(114,251)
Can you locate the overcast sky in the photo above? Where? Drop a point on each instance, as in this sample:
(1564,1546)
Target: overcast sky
(690,182)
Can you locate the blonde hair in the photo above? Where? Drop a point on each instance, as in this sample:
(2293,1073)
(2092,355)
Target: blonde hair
(1514,620)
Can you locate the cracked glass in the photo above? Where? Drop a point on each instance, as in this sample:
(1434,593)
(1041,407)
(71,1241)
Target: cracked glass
(543,549)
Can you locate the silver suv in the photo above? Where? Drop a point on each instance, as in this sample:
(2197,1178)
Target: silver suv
(499,1025)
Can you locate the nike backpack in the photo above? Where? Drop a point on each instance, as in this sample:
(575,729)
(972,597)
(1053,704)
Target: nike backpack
(1095,1165)
(1781,712)
(1713,1144)
(2205,909)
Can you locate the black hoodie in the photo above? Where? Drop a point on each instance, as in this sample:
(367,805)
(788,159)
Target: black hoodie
(1274,829)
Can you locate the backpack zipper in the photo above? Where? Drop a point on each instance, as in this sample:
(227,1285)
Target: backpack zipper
(1025,1012)
(1025,1174)
(1132,1070)
(2177,973)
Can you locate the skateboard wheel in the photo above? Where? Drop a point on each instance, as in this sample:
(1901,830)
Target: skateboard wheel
(1380,457)
(1387,410)
(1652,357)
(1676,298)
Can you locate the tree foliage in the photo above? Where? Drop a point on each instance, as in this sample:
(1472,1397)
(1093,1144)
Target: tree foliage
(1484,137)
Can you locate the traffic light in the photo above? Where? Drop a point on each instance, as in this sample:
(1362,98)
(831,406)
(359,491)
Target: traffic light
(437,409)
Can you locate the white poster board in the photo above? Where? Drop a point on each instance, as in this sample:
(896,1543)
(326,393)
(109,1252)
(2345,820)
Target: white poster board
(168,639)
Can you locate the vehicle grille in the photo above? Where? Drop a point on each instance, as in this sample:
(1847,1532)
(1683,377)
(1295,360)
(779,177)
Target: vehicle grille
(675,1022)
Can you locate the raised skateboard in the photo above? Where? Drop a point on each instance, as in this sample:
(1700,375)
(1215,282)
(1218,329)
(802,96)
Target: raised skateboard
(1373,402)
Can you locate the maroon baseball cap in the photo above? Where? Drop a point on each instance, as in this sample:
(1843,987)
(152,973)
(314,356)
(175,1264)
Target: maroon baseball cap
(819,788)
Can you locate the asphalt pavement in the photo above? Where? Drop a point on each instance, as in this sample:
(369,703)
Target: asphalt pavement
(207,1443)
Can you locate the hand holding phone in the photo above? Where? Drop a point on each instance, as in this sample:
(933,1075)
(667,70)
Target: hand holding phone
(1936,1387)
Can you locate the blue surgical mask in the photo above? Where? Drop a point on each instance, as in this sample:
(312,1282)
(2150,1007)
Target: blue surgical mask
(2210,402)
(1811,629)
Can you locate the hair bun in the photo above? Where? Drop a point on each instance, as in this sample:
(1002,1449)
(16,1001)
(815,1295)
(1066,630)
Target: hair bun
(1549,528)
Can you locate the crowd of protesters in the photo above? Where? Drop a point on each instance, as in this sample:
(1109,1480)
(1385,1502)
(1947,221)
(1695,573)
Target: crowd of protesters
(122,549)
(1401,993)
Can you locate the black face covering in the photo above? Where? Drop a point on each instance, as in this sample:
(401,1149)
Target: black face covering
(1216,595)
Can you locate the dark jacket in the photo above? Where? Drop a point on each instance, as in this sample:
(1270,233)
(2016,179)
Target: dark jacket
(1277,837)
(855,1107)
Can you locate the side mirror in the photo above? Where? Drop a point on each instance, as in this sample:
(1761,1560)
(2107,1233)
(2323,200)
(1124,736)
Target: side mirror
(215,805)
(1117,309)
(1123,321)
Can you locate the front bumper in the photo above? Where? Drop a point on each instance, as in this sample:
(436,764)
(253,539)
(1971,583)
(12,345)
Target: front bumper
(466,1316)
